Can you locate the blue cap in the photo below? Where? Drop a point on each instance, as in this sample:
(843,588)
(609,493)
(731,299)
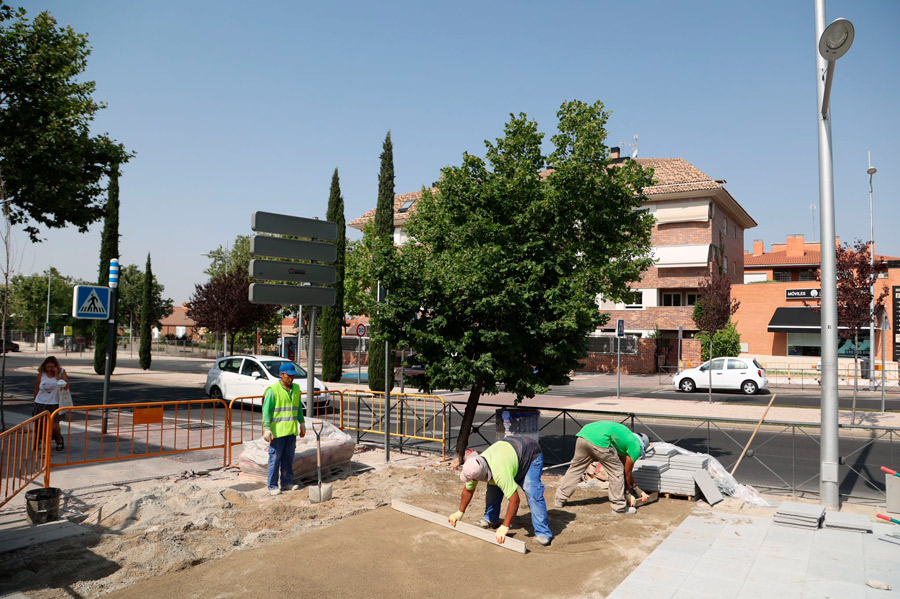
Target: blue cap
(288,368)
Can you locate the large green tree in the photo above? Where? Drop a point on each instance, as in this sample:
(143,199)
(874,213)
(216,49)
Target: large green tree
(333,316)
(500,286)
(52,167)
(132,303)
(28,302)
(382,242)
(148,316)
(109,249)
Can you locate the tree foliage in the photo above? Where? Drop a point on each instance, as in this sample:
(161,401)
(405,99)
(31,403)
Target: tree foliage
(52,167)
(236,257)
(223,305)
(725,342)
(28,302)
(856,277)
(132,302)
(109,249)
(500,286)
(151,293)
(333,316)
(382,243)
(714,307)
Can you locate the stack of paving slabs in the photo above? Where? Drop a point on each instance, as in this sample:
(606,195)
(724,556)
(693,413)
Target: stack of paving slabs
(689,463)
(678,481)
(647,472)
(851,522)
(799,515)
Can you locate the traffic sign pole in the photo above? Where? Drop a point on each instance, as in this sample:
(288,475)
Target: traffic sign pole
(111,333)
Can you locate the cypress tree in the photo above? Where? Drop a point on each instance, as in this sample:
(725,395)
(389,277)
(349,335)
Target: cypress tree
(109,248)
(384,232)
(333,317)
(147,298)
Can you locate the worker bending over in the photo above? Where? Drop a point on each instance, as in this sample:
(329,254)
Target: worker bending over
(617,449)
(282,415)
(514,461)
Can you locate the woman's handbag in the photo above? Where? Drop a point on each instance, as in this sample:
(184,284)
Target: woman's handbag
(65,398)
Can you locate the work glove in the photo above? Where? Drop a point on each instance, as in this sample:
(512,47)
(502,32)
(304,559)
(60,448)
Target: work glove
(267,435)
(643,496)
(302,430)
(629,498)
(501,533)
(454,518)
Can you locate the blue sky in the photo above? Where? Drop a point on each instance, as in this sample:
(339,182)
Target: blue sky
(234,107)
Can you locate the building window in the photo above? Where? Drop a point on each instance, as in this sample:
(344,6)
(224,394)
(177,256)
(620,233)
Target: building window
(691,299)
(725,264)
(782,276)
(635,300)
(725,225)
(406,206)
(807,274)
(671,299)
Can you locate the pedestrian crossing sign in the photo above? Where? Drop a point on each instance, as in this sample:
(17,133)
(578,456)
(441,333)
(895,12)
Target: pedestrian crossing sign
(90,301)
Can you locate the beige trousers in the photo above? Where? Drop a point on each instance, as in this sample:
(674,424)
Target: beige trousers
(586,453)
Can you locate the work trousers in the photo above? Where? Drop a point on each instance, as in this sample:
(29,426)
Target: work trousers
(534,493)
(281,461)
(586,453)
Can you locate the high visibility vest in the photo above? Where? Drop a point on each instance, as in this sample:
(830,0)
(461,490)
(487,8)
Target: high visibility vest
(284,417)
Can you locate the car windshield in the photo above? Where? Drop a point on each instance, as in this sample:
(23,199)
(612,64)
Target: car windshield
(758,365)
(273,365)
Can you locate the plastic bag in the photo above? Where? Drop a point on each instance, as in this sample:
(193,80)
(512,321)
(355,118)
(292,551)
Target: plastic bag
(337,449)
(727,484)
(65,398)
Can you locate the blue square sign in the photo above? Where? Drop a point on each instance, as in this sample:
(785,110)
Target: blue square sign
(90,301)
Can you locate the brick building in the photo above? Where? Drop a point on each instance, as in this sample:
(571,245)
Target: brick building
(776,317)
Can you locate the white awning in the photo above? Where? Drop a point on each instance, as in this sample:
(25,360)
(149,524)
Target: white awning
(685,211)
(681,256)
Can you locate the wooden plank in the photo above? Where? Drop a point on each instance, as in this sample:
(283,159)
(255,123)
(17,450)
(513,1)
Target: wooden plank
(469,529)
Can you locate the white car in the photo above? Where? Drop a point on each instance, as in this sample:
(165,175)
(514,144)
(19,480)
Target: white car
(745,374)
(250,376)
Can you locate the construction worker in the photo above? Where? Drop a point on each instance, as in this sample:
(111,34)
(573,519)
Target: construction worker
(617,449)
(505,465)
(282,413)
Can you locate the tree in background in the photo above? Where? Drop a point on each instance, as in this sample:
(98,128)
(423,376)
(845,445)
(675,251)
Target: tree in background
(500,287)
(131,302)
(238,257)
(856,278)
(109,249)
(725,342)
(333,316)
(149,316)
(223,305)
(53,169)
(382,243)
(714,307)
(28,302)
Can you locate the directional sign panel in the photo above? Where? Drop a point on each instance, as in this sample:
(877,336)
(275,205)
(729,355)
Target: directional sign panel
(282,224)
(292,272)
(293,249)
(90,301)
(263,293)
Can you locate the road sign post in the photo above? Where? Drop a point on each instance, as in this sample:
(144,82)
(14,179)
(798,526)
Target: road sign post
(360,333)
(620,332)
(310,250)
(680,336)
(111,334)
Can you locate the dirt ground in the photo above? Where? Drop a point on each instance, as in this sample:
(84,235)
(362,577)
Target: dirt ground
(218,534)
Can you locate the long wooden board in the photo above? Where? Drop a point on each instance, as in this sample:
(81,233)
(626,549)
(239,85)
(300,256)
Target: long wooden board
(474,531)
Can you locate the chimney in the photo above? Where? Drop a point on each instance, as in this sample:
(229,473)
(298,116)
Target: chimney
(795,245)
(614,152)
(758,248)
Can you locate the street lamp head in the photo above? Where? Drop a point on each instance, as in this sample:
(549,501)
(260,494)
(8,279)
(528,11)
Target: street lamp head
(836,39)
(872,170)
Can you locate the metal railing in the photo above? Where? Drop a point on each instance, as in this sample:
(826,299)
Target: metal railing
(865,448)
(21,455)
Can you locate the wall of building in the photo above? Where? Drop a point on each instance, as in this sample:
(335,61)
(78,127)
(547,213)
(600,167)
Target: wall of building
(666,318)
(644,362)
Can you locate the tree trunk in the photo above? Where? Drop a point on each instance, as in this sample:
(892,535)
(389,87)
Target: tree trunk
(465,427)
(855,375)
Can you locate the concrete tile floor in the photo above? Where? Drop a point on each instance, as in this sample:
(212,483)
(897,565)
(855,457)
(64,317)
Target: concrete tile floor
(744,557)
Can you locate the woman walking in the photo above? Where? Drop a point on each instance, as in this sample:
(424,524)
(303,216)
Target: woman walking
(50,379)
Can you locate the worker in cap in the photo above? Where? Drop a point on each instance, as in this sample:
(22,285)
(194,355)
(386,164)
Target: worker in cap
(282,420)
(617,449)
(504,466)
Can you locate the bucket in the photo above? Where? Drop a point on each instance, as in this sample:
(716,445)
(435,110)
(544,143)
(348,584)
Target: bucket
(42,505)
(521,422)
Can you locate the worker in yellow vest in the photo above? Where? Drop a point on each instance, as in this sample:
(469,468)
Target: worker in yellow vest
(282,416)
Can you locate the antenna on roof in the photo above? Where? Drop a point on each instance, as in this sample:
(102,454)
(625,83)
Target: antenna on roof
(812,208)
(633,146)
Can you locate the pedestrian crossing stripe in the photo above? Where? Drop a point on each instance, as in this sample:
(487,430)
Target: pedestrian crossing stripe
(92,305)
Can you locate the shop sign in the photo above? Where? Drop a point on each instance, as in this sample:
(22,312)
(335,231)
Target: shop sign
(802,294)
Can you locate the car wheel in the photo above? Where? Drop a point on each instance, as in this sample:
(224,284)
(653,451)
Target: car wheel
(749,388)
(687,385)
(215,392)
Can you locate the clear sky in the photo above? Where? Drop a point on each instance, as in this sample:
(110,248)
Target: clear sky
(234,107)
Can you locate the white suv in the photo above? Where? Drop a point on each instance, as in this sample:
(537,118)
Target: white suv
(745,374)
(250,376)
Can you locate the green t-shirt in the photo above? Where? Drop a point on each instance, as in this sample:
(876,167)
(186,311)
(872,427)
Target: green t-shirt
(612,434)
(507,459)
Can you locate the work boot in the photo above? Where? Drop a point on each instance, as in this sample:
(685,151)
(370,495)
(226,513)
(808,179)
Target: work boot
(627,510)
(542,540)
(290,488)
(557,502)
(275,491)
(485,523)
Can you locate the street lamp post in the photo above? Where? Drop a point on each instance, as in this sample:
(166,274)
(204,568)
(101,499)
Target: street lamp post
(871,171)
(47,321)
(831,43)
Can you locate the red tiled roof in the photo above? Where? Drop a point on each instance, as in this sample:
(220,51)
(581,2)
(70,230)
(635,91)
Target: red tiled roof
(809,258)
(399,200)
(178,317)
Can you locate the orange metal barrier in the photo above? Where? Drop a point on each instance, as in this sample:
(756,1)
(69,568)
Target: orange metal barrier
(414,417)
(246,415)
(22,456)
(139,430)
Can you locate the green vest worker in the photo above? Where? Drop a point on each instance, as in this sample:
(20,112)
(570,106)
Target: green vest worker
(614,446)
(282,415)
